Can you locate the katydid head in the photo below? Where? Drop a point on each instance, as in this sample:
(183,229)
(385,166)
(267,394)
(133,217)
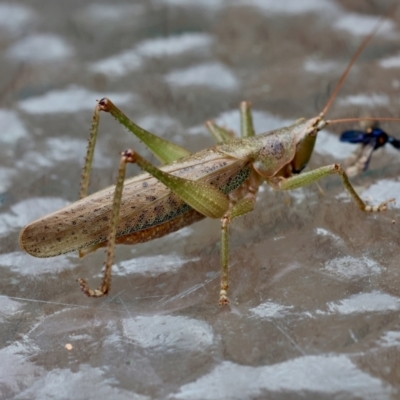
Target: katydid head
(305,143)
(286,151)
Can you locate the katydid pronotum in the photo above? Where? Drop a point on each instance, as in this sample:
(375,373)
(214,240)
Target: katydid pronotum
(218,182)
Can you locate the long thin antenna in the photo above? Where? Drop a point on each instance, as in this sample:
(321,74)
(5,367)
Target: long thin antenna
(355,56)
(338,121)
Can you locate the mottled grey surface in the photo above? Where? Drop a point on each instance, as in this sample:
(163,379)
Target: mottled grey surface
(315,283)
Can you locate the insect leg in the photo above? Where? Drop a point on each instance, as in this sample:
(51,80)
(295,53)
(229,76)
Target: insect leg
(242,207)
(89,153)
(222,135)
(164,150)
(246,120)
(352,159)
(306,178)
(361,163)
(106,281)
(200,195)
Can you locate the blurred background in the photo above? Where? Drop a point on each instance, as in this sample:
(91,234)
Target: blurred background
(315,283)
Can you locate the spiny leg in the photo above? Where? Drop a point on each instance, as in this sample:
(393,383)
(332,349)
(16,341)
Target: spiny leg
(164,150)
(89,153)
(223,294)
(240,208)
(306,178)
(106,281)
(202,196)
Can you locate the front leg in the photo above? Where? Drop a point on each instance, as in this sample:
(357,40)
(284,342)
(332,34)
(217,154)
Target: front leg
(306,178)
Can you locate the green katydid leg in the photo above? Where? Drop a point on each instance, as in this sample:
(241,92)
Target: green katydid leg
(89,153)
(106,281)
(246,120)
(223,135)
(220,134)
(242,207)
(164,150)
(306,178)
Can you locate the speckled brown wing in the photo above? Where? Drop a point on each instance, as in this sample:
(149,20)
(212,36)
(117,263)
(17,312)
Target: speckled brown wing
(146,205)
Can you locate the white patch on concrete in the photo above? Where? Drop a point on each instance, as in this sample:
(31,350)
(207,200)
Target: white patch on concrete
(70,100)
(213,75)
(40,48)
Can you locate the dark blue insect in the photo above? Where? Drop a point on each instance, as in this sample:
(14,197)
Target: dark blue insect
(371,139)
(374,137)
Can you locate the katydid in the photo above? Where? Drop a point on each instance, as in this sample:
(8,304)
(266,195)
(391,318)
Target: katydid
(218,182)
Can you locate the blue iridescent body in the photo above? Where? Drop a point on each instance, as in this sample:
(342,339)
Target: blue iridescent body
(374,137)
(370,139)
